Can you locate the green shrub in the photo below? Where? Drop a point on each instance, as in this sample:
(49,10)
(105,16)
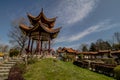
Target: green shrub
(80,56)
(32,60)
(68,57)
(117,72)
(13,52)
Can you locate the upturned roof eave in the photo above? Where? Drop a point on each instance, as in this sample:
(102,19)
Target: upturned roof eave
(42,26)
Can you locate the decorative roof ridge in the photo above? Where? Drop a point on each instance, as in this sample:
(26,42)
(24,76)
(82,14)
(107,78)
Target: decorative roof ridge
(41,15)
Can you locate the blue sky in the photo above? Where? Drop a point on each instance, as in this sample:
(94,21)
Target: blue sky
(82,21)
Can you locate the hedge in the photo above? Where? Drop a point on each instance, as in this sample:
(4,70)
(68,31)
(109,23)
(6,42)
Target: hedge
(117,72)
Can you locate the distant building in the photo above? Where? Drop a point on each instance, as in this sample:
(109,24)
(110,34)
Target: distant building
(69,54)
(89,55)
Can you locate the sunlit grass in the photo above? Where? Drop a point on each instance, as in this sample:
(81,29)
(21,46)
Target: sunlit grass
(51,69)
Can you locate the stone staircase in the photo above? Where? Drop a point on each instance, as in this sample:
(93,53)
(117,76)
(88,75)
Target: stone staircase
(5,68)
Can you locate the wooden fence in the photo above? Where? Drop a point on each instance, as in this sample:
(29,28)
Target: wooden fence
(107,69)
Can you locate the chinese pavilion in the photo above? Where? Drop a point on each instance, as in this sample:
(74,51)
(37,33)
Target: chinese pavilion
(41,32)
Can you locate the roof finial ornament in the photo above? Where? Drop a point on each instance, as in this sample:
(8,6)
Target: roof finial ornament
(42,10)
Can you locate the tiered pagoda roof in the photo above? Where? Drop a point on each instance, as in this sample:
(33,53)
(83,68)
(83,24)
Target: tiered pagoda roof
(41,25)
(49,21)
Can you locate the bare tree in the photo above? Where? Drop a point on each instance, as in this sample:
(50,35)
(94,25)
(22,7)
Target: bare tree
(117,37)
(116,41)
(93,47)
(16,36)
(4,48)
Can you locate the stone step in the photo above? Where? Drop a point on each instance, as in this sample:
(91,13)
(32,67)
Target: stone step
(10,62)
(3,77)
(1,67)
(4,74)
(4,70)
(7,65)
(14,60)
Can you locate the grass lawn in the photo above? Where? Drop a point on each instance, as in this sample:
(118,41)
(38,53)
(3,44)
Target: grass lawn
(51,69)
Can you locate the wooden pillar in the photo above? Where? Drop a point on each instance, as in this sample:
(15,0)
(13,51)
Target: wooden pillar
(41,45)
(95,56)
(32,46)
(101,55)
(49,46)
(39,42)
(37,47)
(28,43)
(28,50)
(90,56)
(46,45)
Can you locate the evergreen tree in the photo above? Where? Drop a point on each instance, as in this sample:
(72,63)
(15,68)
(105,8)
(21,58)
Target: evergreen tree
(84,49)
(93,47)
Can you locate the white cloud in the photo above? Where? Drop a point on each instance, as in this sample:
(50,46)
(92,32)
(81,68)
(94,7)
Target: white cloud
(70,11)
(102,26)
(95,28)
